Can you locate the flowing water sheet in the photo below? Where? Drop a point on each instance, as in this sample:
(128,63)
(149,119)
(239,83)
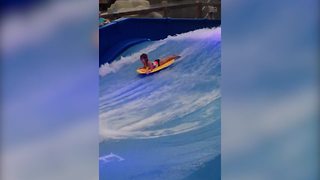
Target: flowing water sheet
(165,125)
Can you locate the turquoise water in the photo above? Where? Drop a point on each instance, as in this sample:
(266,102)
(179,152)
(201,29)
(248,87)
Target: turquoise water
(166,125)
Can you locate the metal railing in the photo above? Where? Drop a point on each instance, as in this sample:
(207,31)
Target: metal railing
(165,8)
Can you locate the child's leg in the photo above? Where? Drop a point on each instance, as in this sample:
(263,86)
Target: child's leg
(164,60)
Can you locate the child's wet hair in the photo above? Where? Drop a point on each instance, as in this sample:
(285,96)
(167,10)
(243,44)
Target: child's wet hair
(144,56)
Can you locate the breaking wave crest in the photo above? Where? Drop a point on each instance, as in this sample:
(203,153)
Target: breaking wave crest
(212,33)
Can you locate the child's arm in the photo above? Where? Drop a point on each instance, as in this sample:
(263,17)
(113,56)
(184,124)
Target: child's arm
(150,65)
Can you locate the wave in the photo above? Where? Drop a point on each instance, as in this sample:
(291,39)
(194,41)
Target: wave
(114,124)
(167,103)
(116,65)
(200,34)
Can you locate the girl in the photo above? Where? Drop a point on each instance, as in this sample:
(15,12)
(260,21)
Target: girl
(151,65)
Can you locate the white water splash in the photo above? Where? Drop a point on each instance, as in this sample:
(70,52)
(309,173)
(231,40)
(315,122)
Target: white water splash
(116,65)
(206,33)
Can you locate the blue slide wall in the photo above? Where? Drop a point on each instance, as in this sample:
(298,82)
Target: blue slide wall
(119,35)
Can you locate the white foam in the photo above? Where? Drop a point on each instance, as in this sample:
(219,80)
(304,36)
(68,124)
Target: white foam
(114,124)
(116,65)
(214,33)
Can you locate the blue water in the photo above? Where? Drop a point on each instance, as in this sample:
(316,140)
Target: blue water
(166,125)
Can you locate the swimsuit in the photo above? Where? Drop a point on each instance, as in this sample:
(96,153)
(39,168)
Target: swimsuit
(156,63)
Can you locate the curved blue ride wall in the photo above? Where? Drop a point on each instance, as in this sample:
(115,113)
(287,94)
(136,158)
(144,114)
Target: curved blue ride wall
(119,35)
